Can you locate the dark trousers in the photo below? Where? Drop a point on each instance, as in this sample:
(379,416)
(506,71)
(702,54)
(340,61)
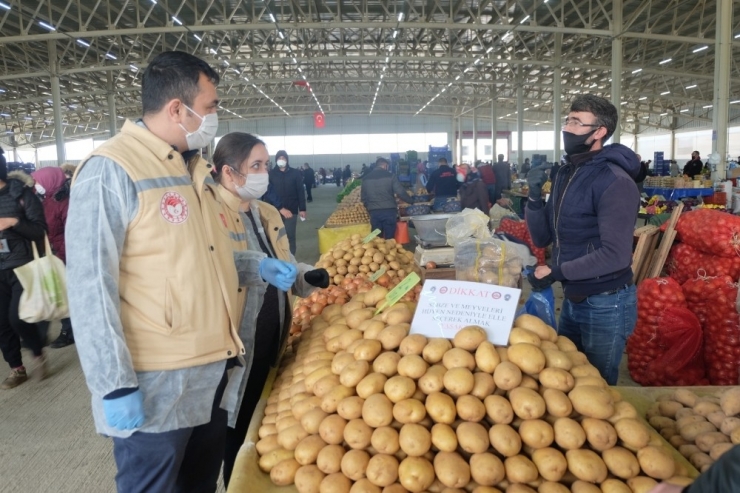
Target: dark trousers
(308,192)
(235,436)
(290,227)
(385,221)
(12,328)
(185,460)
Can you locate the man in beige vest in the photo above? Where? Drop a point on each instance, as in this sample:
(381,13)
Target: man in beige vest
(153,286)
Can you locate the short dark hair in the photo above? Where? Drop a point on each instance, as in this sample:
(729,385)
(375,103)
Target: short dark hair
(232,150)
(381,160)
(442,160)
(173,75)
(605,112)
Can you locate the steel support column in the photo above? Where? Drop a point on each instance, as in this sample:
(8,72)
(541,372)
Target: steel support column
(111,105)
(453,143)
(475,138)
(56,99)
(494,126)
(617,22)
(459,140)
(519,117)
(722,65)
(557,98)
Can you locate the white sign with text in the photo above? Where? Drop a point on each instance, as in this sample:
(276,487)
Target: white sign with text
(446,306)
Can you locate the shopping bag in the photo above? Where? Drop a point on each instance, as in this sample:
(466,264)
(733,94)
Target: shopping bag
(541,304)
(44,284)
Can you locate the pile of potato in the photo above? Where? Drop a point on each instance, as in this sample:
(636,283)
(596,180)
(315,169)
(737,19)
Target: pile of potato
(361,406)
(353,214)
(352,198)
(351,258)
(701,428)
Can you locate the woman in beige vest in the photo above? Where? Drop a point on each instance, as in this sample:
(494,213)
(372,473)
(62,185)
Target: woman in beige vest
(256,227)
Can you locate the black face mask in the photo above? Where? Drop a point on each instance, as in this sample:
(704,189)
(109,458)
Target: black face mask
(576,144)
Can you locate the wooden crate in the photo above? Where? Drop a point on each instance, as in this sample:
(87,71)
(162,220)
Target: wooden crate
(439,273)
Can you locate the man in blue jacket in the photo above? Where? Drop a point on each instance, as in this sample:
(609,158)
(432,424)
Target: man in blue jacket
(589,219)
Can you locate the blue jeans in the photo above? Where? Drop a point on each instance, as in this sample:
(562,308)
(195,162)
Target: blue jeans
(385,221)
(599,326)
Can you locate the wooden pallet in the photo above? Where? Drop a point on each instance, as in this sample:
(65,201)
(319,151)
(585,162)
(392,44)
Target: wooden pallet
(647,240)
(666,242)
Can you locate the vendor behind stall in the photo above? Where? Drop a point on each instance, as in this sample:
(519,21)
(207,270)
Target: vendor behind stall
(442,183)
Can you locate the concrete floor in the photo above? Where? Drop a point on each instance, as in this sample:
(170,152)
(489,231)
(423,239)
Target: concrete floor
(46,430)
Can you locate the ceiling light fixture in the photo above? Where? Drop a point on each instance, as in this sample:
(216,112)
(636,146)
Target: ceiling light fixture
(663,62)
(642,98)
(524,20)
(637,71)
(691,86)
(272,17)
(400,16)
(4,5)
(735,102)
(197,37)
(707,106)
(47,26)
(83,43)
(664,93)
(684,110)
(111,56)
(176,21)
(701,48)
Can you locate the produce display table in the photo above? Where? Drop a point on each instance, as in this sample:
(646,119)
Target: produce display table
(248,478)
(328,237)
(679,193)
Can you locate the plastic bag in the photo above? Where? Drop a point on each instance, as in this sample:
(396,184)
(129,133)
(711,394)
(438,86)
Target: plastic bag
(541,304)
(518,229)
(44,284)
(488,261)
(497,213)
(470,223)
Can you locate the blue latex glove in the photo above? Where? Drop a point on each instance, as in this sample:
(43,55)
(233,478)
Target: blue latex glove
(125,413)
(278,273)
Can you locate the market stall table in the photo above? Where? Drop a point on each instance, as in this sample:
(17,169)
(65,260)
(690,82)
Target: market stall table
(679,193)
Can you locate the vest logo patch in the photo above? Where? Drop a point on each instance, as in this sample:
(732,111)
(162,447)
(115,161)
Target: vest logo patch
(174,208)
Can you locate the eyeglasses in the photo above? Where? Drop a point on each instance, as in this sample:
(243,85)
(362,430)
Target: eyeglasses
(578,123)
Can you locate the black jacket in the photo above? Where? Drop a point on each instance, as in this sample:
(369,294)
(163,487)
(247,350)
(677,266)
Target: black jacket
(19,201)
(693,168)
(443,182)
(378,189)
(309,177)
(288,185)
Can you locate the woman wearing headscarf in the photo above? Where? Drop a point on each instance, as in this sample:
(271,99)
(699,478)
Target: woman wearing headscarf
(257,231)
(473,192)
(52,187)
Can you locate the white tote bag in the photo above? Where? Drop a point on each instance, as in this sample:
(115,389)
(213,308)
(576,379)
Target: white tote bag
(44,282)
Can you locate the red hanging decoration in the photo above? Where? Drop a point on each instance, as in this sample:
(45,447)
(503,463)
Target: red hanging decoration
(319,120)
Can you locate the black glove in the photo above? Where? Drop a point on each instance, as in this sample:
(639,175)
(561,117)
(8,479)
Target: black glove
(317,277)
(539,284)
(535,179)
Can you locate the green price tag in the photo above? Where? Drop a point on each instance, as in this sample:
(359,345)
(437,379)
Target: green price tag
(397,293)
(371,236)
(377,275)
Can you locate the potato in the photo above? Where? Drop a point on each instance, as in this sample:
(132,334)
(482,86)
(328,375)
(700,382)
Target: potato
(325,385)
(352,373)
(632,432)
(367,350)
(621,462)
(505,440)
(441,408)
(656,462)
(579,486)
(364,485)
(536,325)
(385,440)
(377,411)
(486,469)
(552,487)
(612,485)
(318,374)
(660,422)
(528,357)
(412,344)
(470,408)
(329,458)
(387,363)
(693,430)
(267,430)
(734,436)
(730,401)
(689,418)
(308,449)
(706,441)
(498,409)
(331,400)
(565,344)
(356,317)
(519,469)
(717,418)
(335,483)
(526,403)
(507,375)
(416,474)
(641,484)
(700,461)
(568,433)
(373,383)
(289,437)
(340,361)
(472,437)
(486,357)
(556,378)
(458,358)
(357,434)
(685,397)
(400,315)
(469,338)
(382,470)
(669,408)
(519,335)
(331,429)
(676,441)
(600,434)
(354,464)
(432,380)
(283,473)
(536,433)
(350,407)
(398,388)
(415,440)
(592,402)
(373,329)
(267,445)
(729,425)
(458,381)
(435,350)
(409,411)
(412,366)
(554,358)
(375,295)
(451,469)
(312,419)
(395,488)
(557,403)
(586,465)
(391,336)
(550,463)
(719,449)
(483,385)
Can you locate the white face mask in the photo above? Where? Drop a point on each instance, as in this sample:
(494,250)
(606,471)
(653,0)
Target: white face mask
(204,134)
(254,187)
(39,189)
(460,177)
(282,163)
